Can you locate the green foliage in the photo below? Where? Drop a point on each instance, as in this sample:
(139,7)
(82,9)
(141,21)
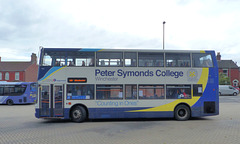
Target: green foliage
(223,79)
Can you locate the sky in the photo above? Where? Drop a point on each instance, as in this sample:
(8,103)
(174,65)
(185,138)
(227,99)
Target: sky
(25,25)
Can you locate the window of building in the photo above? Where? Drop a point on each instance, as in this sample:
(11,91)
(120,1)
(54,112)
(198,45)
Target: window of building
(0,76)
(16,75)
(225,72)
(146,59)
(109,59)
(80,91)
(202,60)
(6,76)
(151,92)
(109,92)
(178,91)
(178,60)
(130,59)
(130,91)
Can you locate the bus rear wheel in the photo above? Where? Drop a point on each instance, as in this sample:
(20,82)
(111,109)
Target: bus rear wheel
(78,114)
(9,102)
(182,113)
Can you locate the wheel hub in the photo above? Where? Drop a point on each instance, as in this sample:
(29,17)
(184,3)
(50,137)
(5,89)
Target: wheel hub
(77,114)
(182,113)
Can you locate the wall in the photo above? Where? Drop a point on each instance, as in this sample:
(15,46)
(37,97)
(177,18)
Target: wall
(234,74)
(31,73)
(12,76)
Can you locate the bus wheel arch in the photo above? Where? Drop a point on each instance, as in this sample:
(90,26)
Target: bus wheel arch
(78,113)
(9,102)
(182,112)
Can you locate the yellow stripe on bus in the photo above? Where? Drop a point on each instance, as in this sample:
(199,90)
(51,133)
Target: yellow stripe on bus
(204,78)
(170,106)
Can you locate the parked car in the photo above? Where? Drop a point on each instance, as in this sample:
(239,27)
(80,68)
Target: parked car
(228,90)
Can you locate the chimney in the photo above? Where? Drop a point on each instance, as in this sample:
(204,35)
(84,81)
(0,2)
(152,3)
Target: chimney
(218,56)
(33,58)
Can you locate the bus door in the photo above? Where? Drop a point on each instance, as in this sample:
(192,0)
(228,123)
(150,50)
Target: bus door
(51,100)
(44,100)
(58,100)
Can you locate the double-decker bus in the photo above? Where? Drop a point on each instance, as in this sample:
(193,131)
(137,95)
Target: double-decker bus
(81,83)
(18,92)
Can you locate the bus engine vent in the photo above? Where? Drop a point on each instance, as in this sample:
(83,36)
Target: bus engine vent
(209,107)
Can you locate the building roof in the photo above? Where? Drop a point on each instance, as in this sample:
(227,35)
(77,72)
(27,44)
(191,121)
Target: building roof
(227,64)
(14,66)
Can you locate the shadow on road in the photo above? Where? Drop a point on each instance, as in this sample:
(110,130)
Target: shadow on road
(47,121)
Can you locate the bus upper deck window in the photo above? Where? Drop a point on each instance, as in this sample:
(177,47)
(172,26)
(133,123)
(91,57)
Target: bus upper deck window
(80,59)
(59,62)
(202,60)
(54,58)
(150,59)
(178,60)
(109,59)
(130,59)
(47,60)
(70,62)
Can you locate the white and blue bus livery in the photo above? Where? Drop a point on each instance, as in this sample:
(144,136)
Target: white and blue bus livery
(81,83)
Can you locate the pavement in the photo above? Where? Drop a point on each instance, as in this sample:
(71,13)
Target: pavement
(19,126)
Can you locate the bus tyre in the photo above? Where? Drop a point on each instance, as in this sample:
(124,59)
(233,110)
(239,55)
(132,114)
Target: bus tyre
(78,114)
(9,102)
(182,113)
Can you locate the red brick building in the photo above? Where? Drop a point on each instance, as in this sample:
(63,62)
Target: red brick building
(19,71)
(230,69)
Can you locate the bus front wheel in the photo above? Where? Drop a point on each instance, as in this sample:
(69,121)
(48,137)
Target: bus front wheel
(78,114)
(182,113)
(9,102)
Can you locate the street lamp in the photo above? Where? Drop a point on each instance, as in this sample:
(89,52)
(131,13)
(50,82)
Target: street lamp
(163,33)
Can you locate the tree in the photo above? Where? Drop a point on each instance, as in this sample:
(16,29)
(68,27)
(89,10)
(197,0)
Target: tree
(223,79)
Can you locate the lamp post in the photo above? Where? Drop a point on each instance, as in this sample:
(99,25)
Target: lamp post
(163,33)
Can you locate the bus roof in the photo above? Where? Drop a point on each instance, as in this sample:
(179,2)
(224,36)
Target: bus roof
(119,49)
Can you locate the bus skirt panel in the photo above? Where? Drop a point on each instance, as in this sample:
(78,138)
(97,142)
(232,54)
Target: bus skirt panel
(98,113)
